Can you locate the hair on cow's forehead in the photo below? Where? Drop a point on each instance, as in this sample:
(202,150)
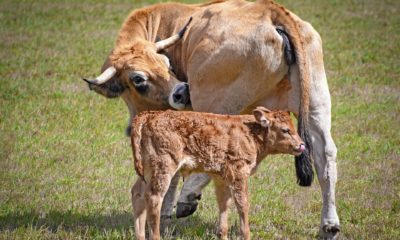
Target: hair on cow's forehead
(139,54)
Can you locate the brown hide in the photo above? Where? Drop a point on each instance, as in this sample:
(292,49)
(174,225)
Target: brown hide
(229,148)
(211,141)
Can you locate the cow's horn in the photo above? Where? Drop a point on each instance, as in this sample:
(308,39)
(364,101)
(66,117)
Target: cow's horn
(104,77)
(166,43)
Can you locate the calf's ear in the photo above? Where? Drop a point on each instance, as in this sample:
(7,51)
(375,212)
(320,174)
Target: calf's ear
(263,109)
(261,118)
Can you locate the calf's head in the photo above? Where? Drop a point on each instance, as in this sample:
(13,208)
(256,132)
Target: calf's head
(281,136)
(137,71)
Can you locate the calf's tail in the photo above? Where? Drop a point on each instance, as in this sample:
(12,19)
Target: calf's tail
(136,138)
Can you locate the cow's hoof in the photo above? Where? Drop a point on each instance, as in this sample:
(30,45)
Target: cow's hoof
(185,209)
(165,221)
(166,218)
(165,225)
(193,197)
(330,231)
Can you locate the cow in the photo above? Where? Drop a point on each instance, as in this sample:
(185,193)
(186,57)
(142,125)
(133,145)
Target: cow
(235,55)
(228,148)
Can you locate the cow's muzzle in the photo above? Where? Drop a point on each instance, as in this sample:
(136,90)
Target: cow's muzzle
(180,96)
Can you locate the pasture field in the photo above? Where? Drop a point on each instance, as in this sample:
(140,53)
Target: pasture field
(66,167)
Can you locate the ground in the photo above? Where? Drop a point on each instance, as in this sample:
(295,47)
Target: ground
(66,167)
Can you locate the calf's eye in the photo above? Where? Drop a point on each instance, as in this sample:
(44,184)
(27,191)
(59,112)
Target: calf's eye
(285,130)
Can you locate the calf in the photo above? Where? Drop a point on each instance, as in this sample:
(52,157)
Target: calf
(228,148)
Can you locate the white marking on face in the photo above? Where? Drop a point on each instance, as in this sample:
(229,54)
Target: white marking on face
(140,74)
(166,60)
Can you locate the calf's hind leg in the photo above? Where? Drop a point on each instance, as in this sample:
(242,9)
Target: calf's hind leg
(155,191)
(139,209)
(240,195)
(224,200)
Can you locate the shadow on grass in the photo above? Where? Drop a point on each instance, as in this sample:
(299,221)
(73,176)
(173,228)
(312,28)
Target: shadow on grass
(54,220)
(195,226)
(117,221)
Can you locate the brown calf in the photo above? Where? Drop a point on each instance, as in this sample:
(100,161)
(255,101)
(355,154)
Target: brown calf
(228,148)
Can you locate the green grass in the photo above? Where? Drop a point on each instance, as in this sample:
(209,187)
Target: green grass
(65,164)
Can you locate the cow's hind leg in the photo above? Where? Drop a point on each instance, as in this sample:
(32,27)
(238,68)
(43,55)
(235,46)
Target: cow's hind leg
(324,152)
(191,193)
(324,148)
(325,165)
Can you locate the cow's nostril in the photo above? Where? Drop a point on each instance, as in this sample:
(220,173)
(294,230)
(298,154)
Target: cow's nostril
(177,97)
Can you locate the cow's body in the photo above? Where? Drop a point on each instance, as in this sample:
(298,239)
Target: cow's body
(228,148)
(233,59)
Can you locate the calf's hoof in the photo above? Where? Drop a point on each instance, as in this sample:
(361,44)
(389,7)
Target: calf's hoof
(330,231)
(185,209)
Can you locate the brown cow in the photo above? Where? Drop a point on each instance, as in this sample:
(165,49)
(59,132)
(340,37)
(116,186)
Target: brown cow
(228,148)
(234,56)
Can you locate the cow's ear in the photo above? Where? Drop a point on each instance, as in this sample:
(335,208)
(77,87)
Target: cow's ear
(261,118)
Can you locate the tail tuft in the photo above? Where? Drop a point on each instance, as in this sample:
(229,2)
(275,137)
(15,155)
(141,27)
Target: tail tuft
(303,163)
(136,137)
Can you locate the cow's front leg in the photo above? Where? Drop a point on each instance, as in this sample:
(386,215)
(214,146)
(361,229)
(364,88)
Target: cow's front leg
(191,193)
(170,199)
(325,165)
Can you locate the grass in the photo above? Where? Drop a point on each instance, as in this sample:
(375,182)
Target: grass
(65,164)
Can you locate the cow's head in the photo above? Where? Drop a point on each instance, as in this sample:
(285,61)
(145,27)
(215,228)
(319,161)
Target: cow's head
(142,76)
(281,135)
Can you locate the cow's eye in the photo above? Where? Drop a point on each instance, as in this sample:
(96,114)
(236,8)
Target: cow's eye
(137,78)
(285,130)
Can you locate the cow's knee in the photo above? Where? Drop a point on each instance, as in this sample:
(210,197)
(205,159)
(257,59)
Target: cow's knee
(325,161)
(191,194)
(170,200)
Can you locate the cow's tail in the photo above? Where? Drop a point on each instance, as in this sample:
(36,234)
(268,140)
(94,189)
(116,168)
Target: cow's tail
(136,138)
(282,17)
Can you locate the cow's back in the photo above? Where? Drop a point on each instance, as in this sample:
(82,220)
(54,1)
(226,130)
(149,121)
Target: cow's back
(235,56)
